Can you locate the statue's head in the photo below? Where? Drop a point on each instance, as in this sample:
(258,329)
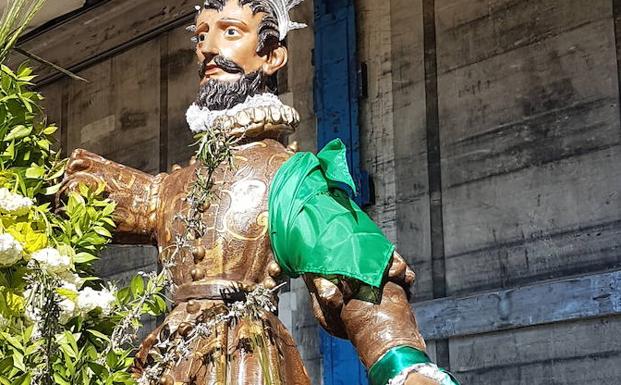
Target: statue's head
(239,44)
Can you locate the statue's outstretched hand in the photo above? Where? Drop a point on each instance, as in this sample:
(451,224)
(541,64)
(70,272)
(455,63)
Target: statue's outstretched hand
(133,191)
(85,168)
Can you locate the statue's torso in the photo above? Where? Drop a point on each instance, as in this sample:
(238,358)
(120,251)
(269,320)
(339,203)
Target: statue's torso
(237,251)
(236,243)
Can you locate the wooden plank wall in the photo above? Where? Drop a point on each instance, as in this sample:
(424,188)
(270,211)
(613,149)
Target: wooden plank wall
(513,107)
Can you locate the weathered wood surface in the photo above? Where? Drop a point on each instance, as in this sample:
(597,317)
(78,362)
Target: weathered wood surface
(556,220)
(475,30)
(530,106)
(299,76)
(410,146)
(119,263)
(376,112)
(117,114)
(570,353)
(53,105)
(529,117)
(104,31)
(543,303)
(180,63)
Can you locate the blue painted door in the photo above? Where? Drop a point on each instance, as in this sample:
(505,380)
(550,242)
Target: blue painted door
(336,106)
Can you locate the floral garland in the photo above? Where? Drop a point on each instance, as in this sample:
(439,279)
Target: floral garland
(215,148)
(59,323)
(176,350)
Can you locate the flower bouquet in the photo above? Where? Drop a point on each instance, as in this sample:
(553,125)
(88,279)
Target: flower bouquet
(59,323)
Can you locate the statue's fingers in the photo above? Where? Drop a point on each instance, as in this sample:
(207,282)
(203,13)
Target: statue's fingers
(400,271)
(397,267)
(76,165)
(410,276)
(328,292)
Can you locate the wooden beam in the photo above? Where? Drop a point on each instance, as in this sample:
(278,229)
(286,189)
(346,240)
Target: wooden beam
(434,164)
(102,32)
(616,13)
(597,295)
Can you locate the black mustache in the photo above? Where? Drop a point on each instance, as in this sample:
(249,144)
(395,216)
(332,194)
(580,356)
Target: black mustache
(223,63)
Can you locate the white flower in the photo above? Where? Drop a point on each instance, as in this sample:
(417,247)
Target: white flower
(71,278)
(67,305)
(51,261)
(14,203)
(89,299)
(10,250)
(67,309)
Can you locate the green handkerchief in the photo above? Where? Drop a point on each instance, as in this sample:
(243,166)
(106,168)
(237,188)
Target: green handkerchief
(316,228)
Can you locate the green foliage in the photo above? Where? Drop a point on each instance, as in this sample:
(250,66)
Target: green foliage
(15,19)
(86,225)
(59,323)
(27,161)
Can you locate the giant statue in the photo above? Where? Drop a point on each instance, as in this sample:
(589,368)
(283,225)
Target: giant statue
(249,212)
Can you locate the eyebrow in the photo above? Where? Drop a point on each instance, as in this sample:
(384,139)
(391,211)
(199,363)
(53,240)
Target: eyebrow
(230,21)
(202,26)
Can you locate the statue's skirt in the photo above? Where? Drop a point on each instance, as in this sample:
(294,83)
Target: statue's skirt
(250,351)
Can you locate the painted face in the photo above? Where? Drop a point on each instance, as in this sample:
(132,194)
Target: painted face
(231,34)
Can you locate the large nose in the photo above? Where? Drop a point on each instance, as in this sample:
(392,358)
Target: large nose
(207,47)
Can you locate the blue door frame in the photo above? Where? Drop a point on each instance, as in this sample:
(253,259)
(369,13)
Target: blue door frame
(337,109)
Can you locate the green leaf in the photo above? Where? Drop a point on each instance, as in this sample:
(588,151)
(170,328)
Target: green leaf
(60,380)
(10,151)
(98,334)
(8,71)
(103,232)
(13,341)
(52,189)
(50,130)
(83,190)
(84,257)
(99,370)
(137,286)
(35,172)
(123,295)
(18,360)
(70,294)
(25,379)
(5,364)
(44,144)
(108,210)
(18,132)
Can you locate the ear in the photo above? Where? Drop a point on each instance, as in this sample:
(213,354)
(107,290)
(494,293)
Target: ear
(275,60)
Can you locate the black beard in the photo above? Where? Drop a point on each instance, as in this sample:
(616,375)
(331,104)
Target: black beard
(217,95)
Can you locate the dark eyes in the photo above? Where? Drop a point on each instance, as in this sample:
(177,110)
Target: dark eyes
(231,32)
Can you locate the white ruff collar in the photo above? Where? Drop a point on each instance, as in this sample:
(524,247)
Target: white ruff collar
(201,119)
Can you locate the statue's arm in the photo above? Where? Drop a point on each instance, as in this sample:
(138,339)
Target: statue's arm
(135,193)
(358,283)
(373,328)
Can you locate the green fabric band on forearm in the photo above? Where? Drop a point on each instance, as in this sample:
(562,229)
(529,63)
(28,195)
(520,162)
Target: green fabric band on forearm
(394,362)
(401,358)
(316,228)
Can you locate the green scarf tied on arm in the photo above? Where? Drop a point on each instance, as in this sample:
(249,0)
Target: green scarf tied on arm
(316,228)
